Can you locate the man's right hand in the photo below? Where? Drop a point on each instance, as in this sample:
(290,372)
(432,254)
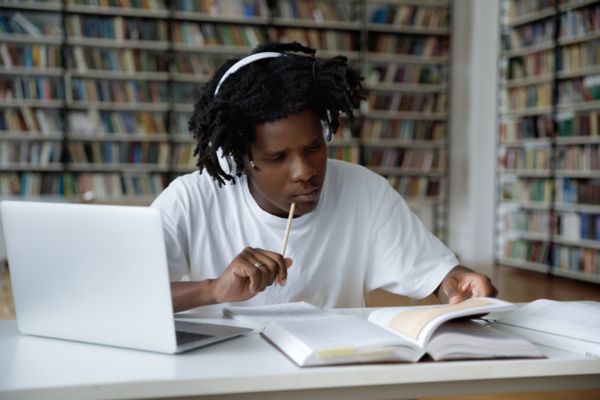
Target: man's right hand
(248,274)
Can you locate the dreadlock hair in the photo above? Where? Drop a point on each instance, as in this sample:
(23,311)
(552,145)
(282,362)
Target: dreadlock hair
(265,91)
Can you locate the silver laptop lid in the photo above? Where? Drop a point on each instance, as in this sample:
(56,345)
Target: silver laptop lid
(90,273)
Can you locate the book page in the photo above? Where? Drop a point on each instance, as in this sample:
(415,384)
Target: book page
(260,316)
(339,333)
(575,319)
(418,323)
(455,340)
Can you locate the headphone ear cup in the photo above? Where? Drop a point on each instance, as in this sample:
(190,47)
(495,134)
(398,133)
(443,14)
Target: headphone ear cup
(326,132)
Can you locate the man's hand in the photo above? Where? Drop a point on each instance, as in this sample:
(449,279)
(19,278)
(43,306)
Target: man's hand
(462,283)
(248,274)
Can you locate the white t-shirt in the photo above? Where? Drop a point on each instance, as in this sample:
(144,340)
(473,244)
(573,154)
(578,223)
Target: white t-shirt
(362,236)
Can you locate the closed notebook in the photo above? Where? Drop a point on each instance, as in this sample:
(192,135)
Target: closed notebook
(311,336)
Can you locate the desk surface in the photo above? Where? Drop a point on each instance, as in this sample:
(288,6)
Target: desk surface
(250,368)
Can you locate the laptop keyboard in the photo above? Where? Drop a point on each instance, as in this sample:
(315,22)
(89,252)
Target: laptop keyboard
(186,337)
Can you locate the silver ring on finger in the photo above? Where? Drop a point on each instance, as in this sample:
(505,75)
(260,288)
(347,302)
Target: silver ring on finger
(259,264)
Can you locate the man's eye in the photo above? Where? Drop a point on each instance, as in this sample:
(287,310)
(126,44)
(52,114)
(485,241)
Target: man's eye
(277,157)
(314,146)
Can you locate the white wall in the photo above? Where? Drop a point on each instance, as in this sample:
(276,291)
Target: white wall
(475,44)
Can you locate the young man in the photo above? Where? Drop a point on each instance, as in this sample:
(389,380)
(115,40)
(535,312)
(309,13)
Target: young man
(259,126)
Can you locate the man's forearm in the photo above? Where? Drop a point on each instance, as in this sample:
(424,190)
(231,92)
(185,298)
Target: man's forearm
(187,295)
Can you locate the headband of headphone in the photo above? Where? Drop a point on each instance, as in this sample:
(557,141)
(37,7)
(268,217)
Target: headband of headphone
(243,62)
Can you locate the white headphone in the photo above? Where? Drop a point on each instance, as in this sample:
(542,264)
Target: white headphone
(243,62)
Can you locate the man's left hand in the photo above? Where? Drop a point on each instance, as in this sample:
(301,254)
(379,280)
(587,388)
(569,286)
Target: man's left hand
(461,283)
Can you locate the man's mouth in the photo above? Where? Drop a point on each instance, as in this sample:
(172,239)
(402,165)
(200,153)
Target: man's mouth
(308,196)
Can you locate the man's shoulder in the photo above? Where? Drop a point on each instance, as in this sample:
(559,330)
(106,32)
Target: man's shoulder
(350,173)
(195,188)
(201,180)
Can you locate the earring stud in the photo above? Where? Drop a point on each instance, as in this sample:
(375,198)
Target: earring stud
(252,164)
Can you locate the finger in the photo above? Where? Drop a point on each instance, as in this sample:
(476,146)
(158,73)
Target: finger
(269,267)
(458,291)
(453,295)
(288,264)
(478,289)
(455,298)
(276,263)
(466,288)
(252,272)
(482,286)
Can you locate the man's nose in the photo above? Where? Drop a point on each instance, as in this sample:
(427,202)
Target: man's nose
(302,169)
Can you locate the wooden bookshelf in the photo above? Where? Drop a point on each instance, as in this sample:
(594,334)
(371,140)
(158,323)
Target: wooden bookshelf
(549,153)
(31,99)
(404,127)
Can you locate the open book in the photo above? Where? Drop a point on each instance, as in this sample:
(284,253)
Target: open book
(312,336)
(566,325)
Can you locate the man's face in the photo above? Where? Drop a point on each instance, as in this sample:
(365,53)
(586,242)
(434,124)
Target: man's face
(290,155)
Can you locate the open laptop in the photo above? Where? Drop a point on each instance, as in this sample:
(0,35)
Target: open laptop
(98,274)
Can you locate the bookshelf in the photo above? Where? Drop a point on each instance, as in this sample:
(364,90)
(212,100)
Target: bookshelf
(122,81)
(548,141)
(117,100)
(31,98)
(404,120)
(205,35)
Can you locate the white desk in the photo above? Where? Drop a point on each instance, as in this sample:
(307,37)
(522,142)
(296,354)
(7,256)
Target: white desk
(249,368)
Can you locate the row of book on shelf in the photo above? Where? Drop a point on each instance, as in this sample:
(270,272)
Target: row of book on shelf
(403,130)
(559,257)
(136,4)
(573,23)
(535,64)
(29,153)
(35,153)
(84,58)
(32,24)
(570,158)
(409,15)
(117,28)
(122,28)
(569,124)
(410,159)
(106,153)
(516,9)
(405,73)
(568,225)
(119,91)
(93,122)
(29,55)
(408,102)
(567,190)
(30,122)
(26,87)
(26,119)
(68,185)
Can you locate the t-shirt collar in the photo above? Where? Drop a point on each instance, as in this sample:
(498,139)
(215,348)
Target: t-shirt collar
(275,220)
